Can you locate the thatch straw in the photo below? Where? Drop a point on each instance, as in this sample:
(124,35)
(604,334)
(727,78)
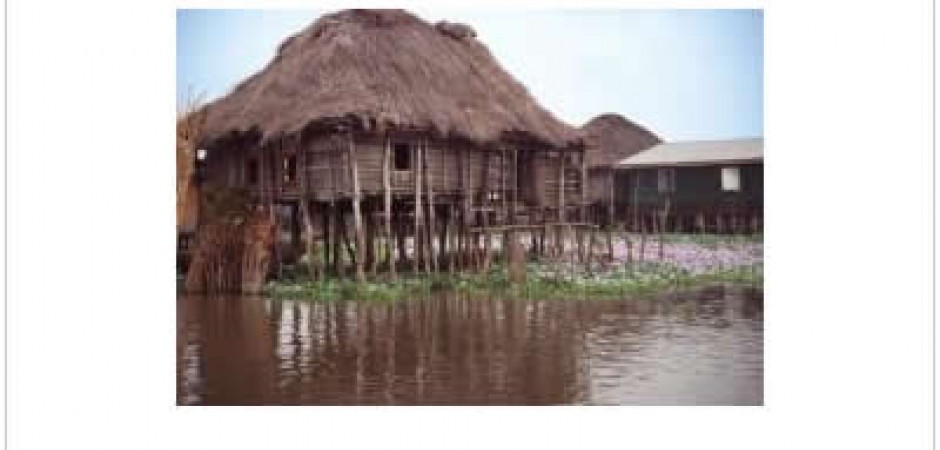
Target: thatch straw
(611,137)
(385,68)
(189,122)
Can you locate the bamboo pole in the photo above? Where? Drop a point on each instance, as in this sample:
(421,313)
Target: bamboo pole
(357,213)
(387,188)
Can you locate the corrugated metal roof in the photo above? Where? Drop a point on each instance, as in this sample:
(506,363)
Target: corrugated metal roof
(697,153)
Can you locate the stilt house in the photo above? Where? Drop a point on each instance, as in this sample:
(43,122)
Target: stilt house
(713,186)
(610,138)
(404,127)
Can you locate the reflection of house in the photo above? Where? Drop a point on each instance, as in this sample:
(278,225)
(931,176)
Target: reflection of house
(702,185)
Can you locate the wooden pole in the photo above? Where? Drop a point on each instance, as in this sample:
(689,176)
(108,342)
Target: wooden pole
(429,182)
(452,234)
(515,185)
(629,248)
(582,210)
(609,232)
(313,265)
(484,204)
(636,200)
(399,225)
(416,169)
(610,199)
(339,231)
(662,226)
(357,213)
(372,233)
(590,246)
(463,239)
(504,202)
(387,188)
(325,223)
(560,244)
(642,255)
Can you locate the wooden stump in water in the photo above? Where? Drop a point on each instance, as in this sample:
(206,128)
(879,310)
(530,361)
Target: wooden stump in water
(516,257)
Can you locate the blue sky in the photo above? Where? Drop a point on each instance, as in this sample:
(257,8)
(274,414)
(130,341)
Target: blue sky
(685,74)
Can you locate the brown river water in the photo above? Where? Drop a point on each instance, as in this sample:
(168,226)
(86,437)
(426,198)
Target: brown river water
(703,347)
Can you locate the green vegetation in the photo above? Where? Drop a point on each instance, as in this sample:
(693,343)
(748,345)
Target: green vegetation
(543,281)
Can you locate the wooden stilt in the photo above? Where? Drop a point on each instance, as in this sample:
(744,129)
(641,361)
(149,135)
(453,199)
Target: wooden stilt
(629,243)
(387,190)
(339,231)
(370,241)
(326,222)
(417,245)
(560,244)
(504,201)
(429,181)
(400,234)
(462,238)
(485,213)
(642,223)
(590,230)
(610,200)
(346,241)
(608,234)
(582,210)
(313,265)
(664,215)
(357,213)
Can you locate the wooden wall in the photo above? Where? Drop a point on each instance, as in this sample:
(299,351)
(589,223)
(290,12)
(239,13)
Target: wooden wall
(324,162)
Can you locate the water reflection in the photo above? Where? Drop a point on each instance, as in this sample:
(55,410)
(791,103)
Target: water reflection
(704,347)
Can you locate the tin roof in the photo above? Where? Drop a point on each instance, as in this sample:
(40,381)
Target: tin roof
(692,153)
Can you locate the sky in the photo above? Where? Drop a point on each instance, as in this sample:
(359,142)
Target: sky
(683,74)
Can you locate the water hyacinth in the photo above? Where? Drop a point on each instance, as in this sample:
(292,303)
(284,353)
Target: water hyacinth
(686,261)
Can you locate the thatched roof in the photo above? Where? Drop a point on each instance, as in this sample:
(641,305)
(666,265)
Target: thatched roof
(385,68)
(611,138)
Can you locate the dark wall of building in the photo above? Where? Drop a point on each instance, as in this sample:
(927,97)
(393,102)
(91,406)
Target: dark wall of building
(697,187)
